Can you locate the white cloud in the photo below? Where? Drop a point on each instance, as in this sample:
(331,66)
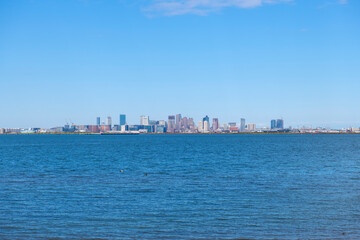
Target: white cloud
(202,7)
(334,2)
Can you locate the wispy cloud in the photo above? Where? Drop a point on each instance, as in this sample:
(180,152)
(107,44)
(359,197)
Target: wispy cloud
(335,2)
(202,7)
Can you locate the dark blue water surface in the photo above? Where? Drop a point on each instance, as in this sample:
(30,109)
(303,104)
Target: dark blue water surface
(180,187)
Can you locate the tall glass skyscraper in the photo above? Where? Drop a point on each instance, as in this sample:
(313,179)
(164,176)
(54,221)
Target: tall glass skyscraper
(98,121)
(273,124)
(122,119)
(242,124)
(206,119)
(280,124)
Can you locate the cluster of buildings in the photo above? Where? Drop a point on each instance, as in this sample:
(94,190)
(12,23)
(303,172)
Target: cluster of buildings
(174,124)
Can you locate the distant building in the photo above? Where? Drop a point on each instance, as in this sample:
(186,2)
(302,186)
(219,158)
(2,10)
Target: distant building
(152,122)
(73,128)
(36,129)
(160,128)
(144,120)
(232,124)
(56,129)
(273,124)
(191,124)
(178,121)
(82,128)
(98,121)
(251,126)
(242,124)
(280,124)
(215,124)
(93,128)
(206,119)
(148,128)
(122,119)
(109,121)
(206,126)
(27,131)
(124,128)
(201,126)
(184,124)
(234,129)
(105,128)
(171,124)
(143,128)
(354,129)
(162,123)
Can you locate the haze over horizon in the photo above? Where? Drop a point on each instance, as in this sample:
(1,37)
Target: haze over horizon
(74,60)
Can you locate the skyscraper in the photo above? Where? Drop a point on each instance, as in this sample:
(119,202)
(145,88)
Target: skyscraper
(178,121)
(191,124)
(201,126)
(242,124)
(280,124)
(273,124)
(184,123)
(171,124)
(109,121)
(206,118)
(206,126)
(98,121)
(215,124)
(122,119)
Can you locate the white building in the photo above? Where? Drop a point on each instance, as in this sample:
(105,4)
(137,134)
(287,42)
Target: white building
(144,120)
(206,126)
(109,121)
(201,126)
(162,122)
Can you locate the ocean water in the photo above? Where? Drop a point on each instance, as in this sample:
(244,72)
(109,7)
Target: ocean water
(180,187)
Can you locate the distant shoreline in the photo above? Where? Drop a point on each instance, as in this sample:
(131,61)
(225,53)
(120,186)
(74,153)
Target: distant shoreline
(240,133)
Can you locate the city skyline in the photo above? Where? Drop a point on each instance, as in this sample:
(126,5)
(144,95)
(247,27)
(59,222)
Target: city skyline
(117,119)
(254,60)
(177,124)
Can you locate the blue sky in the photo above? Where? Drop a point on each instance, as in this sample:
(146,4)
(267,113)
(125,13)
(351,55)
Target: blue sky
(63,60)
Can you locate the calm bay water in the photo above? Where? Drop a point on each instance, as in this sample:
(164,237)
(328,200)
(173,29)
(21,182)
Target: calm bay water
(180,187)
